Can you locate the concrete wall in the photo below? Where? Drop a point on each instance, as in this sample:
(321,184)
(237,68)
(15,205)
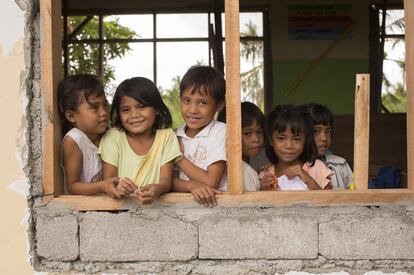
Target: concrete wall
(180,239)
(252,239)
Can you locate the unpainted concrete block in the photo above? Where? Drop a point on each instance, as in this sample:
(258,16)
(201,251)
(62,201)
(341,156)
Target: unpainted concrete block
(258,237)
(379,236)
(128,237)
(57,238)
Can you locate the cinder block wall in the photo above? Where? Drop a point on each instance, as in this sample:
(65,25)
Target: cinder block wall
(193,239)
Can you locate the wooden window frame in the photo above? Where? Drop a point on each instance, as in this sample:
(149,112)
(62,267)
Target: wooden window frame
(50,28)
(264,38)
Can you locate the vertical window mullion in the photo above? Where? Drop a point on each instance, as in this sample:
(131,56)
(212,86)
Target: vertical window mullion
(233,113)
(209,40)
(409,63)
(65,39)
(155,47)
(101,48)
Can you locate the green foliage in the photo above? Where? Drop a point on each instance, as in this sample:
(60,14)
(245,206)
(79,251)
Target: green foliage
(395,98)
(171,98)
(396,102)
(84,58)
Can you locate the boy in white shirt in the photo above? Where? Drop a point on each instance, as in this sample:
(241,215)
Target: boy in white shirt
(203,139)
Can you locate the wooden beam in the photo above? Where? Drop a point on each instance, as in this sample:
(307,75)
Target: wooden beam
(233,108)
(409,72)
(361,132)
(250,199)
(51,73)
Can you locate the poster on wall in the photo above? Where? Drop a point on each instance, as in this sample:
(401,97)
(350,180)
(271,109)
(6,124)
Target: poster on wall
(319,21)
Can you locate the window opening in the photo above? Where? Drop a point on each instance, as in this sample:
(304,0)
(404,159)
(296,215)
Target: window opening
(161,47)
(388,66)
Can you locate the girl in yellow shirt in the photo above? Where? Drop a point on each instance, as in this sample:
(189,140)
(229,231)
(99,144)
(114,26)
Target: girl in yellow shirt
(142,147)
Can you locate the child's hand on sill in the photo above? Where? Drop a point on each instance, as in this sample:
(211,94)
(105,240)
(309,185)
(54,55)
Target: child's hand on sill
(204,194)
(148,193)
(126,187)
(110,187)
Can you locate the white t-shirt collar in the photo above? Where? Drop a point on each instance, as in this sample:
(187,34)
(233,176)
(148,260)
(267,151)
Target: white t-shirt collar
(203,133)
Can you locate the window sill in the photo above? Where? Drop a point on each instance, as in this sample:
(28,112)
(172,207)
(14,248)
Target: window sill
(269,198)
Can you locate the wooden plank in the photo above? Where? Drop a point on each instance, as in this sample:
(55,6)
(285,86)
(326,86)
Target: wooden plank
(91,203)
(46,199)
(361,132)
(409,72)
(233,113)
(250,199)
(51,73)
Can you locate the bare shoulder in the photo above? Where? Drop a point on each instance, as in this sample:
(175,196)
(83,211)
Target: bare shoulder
(70,147)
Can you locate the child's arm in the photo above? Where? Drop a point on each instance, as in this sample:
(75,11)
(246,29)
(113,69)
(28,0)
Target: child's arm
(202,193)
(72,160)
(198,174)
(149,193)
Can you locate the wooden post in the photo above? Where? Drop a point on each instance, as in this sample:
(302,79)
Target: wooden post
(51,73)
(233,108)
(361,132)
(409,72)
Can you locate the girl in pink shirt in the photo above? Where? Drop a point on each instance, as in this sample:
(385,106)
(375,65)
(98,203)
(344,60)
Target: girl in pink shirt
(291,151)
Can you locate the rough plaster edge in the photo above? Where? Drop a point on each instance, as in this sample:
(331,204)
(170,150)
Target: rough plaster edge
(22,186)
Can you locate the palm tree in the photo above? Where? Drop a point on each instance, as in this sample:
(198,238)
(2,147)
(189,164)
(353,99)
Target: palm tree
(251,80)
(394,100)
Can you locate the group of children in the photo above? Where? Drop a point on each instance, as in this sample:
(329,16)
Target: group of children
(140,153)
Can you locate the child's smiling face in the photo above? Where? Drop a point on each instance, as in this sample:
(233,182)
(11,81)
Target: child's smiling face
(323,137)
(288,146)
(136,118)
(198,110)
(252,140)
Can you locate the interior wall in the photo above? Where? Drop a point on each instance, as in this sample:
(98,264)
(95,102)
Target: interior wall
(332,81)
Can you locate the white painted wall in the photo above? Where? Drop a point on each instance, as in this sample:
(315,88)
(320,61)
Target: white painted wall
(13,184)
